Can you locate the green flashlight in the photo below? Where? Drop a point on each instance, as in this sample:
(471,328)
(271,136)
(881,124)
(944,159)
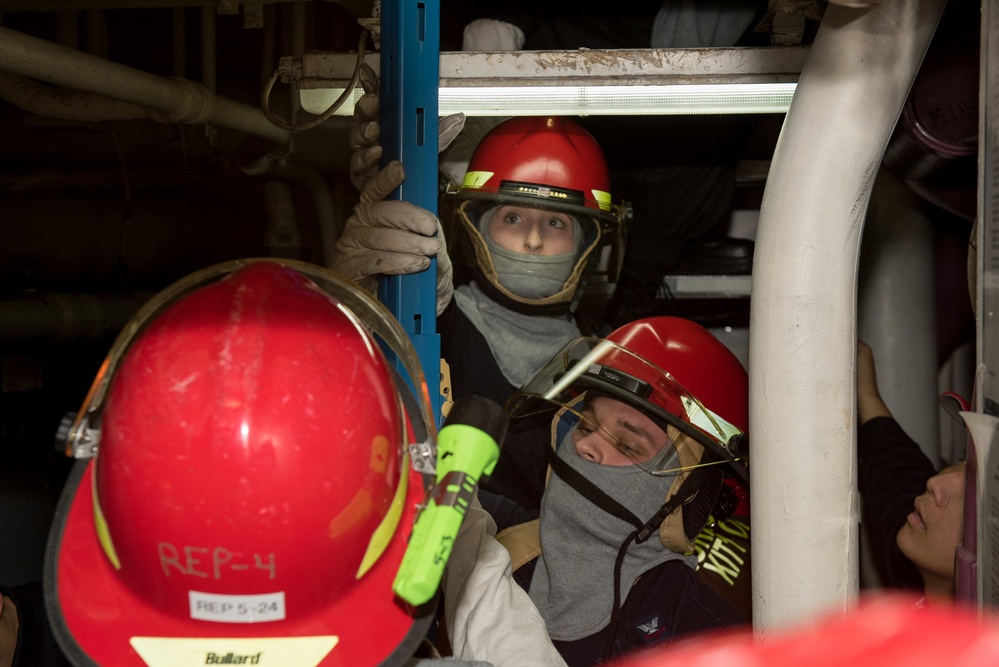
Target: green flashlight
(468,447)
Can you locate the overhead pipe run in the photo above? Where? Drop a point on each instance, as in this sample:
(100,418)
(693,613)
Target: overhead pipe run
(33,97)
(177,100)
(59,318)
(803,312)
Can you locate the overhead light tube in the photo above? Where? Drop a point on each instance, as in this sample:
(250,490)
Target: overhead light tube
(661,100)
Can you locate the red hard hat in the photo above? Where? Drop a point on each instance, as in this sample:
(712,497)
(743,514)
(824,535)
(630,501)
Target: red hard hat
(551,163)
(549,158)
(675,372)
(885,629)
(670,368)
(696,359)
(250,497)
(704,367)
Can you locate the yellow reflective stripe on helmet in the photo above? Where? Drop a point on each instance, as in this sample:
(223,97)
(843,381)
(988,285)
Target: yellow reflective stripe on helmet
(382,536)
(602,198)
(101,524)
(477,179)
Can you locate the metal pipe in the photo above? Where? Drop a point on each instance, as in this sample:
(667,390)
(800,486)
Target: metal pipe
(58,318)
(803,313)
(177,100)
(330,226)
(896,316)
(896,307)
(29,95)
(322,199)
(282,238)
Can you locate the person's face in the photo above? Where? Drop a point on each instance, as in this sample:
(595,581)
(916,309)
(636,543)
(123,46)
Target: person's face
(935,528)
(532,230)
(613,433)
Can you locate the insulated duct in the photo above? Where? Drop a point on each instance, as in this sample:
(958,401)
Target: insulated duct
(803,312)
(175,100)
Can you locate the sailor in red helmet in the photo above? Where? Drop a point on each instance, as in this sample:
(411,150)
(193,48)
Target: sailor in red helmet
(245,492)
(527,225)
(644,424)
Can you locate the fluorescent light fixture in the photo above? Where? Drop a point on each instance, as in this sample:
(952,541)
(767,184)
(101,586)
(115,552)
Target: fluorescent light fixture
(661,100)
(681,99)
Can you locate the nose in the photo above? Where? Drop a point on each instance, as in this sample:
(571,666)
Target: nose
(592,447)
(533,240)
(943,485)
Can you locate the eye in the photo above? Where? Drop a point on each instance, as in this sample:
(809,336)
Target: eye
(586,426)
(627,449)
(512,218)
(557,223)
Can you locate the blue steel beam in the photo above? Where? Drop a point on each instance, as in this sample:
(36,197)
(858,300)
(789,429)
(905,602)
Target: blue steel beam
(410,44)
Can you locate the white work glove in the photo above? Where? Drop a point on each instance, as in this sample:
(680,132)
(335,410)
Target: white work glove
(366,133)
(487,614)
(492,35)
(389,237)
(365,136)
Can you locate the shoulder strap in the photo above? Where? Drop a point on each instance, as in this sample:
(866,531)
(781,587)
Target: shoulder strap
(523,542)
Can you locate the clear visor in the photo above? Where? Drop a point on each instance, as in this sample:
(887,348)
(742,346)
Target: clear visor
(83,435)
(601,230)
(590,367)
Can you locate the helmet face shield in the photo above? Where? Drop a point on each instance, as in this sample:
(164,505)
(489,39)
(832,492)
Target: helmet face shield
(83,436)
(512,266)
(589,367)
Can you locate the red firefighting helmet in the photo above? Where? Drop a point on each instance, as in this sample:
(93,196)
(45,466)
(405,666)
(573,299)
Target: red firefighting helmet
(544,162)
(672,369)
(885,629)
(684,379)
(250,496)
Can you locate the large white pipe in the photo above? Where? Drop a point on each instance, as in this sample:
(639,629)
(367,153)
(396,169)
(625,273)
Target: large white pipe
(179,100)
(803,311)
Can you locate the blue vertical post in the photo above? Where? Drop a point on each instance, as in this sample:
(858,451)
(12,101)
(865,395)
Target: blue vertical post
(410,74)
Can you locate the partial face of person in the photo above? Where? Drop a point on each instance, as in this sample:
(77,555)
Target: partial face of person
(935,528)
(532,230)
(8,630)
(613,433)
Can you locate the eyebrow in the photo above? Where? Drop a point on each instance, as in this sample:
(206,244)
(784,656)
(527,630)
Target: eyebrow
(637,430)
(590,414)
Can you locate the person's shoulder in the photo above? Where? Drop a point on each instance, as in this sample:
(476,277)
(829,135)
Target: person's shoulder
(880,427)
(694,601)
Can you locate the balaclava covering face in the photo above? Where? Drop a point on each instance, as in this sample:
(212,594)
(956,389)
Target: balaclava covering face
(527,275)
(520,343)
(573,583)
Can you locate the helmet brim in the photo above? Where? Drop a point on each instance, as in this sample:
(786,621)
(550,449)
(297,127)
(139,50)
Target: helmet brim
(98,620)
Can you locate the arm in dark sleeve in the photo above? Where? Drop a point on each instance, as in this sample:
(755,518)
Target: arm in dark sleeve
(892,471)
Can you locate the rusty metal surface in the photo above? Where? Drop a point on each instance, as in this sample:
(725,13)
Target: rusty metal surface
(774,64)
